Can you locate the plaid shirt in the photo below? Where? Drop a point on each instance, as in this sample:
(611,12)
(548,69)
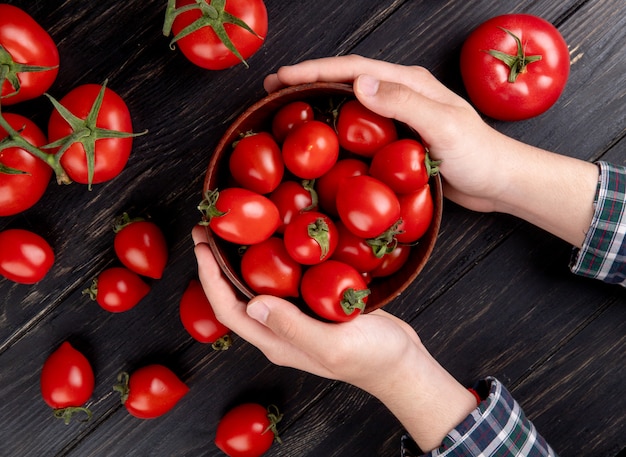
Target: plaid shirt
(498,427)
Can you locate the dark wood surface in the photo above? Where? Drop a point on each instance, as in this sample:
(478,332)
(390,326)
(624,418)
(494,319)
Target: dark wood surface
(496,298)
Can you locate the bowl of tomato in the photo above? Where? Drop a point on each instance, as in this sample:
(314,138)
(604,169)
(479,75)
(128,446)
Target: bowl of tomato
(306,158)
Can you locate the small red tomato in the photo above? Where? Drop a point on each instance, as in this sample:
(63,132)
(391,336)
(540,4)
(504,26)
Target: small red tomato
(362,131)
(392,261)
(67,381)
(268,269)
(327,184)
(291,198)
(141,247)
(256,163)
(355,251)
(240,215)
(289,117)
(334,291)
(367,206)
(117,289)
(198,318)
(416,212)
(247,430)
(25,257)
(403,165)
(150,391)
(310,150)
(310,238)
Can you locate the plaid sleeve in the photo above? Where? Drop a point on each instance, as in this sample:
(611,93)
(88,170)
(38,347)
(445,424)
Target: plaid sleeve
(496,428)
(603,254)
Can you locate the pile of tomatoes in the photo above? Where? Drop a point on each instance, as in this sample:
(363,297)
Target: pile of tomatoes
(323,203)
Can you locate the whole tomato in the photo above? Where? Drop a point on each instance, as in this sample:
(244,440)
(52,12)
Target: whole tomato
(141,246)
(67,382)
(289,117)
(310,238)
(416,212)
(217,34)
(198,318)
(103,147)
(311,149)
(23,177)
(355,251)
(256,163)
(247,430)
(268,269)
(150,391)
(117,289)
(327,184)
(291,198)
(368,207)
(334,291)
(29,55)
(25,257)
(362,131)
(240,215)
(514,66)
(392,261)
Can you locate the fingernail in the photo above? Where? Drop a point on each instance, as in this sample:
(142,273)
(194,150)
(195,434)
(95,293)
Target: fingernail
(258,310)
(367,85)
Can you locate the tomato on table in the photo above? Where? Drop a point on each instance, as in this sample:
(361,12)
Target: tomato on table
(25,257)
(362,131)
(256,163)
(117,289)
(311,237)
(310,150)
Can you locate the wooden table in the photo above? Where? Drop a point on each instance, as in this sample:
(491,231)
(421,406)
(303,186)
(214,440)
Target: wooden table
(496,298)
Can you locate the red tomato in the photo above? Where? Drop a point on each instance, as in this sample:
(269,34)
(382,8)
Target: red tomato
(118,289)
(67,381)
(25,257)
(355,251)
(334,291)
(514,66)
(416,212)
(28,53)
(141,247)
(291,198)
(289,117)
(150,391)
(240,215)
(362,131)
(247,430)
(310,238)
(392,262)
(327,184)
(198,318)
(20,191)
(367,206)
(223,33)
(310,150)
(268,269)
(256,163)
(403,165)
(110,153)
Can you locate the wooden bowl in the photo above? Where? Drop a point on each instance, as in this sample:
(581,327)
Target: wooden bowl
(258,118)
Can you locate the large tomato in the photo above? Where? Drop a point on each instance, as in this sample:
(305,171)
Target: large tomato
(362,131)
(514,66)
(27,53)
(217,34)
(247,430)
(256,163)
(23,177)
(25,257)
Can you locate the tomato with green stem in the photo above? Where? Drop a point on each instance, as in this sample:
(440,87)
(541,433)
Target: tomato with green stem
(117,289)
(291,198)
(311,237)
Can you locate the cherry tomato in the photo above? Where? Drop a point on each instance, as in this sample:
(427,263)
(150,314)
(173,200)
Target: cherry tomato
(416,212)
(354,250)
(247,430)
(514,66)
(327,184)
(25,257)
(392,261)
(268,269)
(310,150)
(67,381)
(256,163)
(240,215)
(362,131)
(310,238)
(150,391)
(198,318)
(289,117)
(141,247)
(110,153)
(118,289)
(29,54)
(291,198)
(224,33)
(403,165)
(23,177)
(367,206)
(334,291)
